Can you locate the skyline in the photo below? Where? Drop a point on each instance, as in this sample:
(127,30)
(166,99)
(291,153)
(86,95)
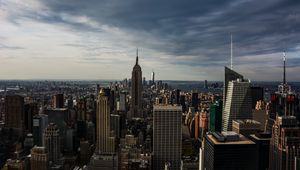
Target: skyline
(179,41)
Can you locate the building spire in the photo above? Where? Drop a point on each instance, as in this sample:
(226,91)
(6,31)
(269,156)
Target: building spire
(137,56)
(231,67)
(284,76)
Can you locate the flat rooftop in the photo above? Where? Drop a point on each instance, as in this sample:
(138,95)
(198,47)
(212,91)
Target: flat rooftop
(242,141)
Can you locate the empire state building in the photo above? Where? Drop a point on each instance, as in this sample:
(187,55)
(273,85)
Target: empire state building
(136,90)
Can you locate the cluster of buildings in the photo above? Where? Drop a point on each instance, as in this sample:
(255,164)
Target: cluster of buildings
(135,124)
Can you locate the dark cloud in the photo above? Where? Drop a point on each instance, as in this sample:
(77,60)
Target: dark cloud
(200,29)
(196,28)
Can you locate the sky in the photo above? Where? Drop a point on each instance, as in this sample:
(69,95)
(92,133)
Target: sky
(177,39)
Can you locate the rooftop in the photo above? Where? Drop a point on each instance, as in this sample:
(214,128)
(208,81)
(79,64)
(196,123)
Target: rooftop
(227,135)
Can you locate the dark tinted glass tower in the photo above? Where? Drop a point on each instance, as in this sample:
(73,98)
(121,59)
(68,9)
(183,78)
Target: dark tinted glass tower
(136,90)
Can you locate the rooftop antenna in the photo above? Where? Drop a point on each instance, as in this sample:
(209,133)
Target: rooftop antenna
(284,76)
(137,56)
(231,51)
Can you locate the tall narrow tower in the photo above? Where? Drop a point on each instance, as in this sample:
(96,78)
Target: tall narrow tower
(136,90)
(105,143)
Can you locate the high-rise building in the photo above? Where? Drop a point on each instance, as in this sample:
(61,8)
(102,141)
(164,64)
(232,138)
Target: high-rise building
(14,112)
(229,76)
(177,96)
(30,109)
(205,84)
(40,123)
(195,100)
(262,141)
(152,78)
(81,109)
(238,103)
(215,119)
(167,136)
(39,159)
(115,125)
(246,127)
(285,143)
(136,90)
(229,150)
(121,106)
(58,101)
(257,94)
(105,142)
(51,141)
(284,102)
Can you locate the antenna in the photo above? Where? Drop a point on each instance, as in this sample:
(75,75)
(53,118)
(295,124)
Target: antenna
(284,76)
(231,51)
(137,56)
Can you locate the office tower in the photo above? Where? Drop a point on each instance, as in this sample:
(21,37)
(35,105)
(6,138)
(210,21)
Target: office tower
(238,103)
(81,129)
(166,136)
(51,141)
(136,90)
(197,127)
(30,109)
(69,140)
(205,84)
(257,94)
(2,109)
(229,76)
(14,112)
(177,96)
(152,78)
(195,100)
(182,103)
(81,109)
(105,143)
(58,101)
(285,143)
(246,127)
(229,150)
(204,118)
(40,123)
(215,119)
(90,136)
(284,102)
(59,116)
(144,81)
(115,125)
(262,141)
(39,159)
(121,106)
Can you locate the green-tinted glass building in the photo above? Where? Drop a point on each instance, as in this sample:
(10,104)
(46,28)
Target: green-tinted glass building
(215,121)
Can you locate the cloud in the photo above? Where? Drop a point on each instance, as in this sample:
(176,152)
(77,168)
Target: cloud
(190,38)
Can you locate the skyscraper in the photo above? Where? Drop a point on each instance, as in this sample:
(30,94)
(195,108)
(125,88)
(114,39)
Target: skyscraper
(229,76)
(238,103)
(58,101)
(167,136)
(51,141)
(105,143)
(215,119)
(136,90)
(284,102)
(39,159)
(152,78)
(40,123)
(229,150)
(285,143)
(14,112)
